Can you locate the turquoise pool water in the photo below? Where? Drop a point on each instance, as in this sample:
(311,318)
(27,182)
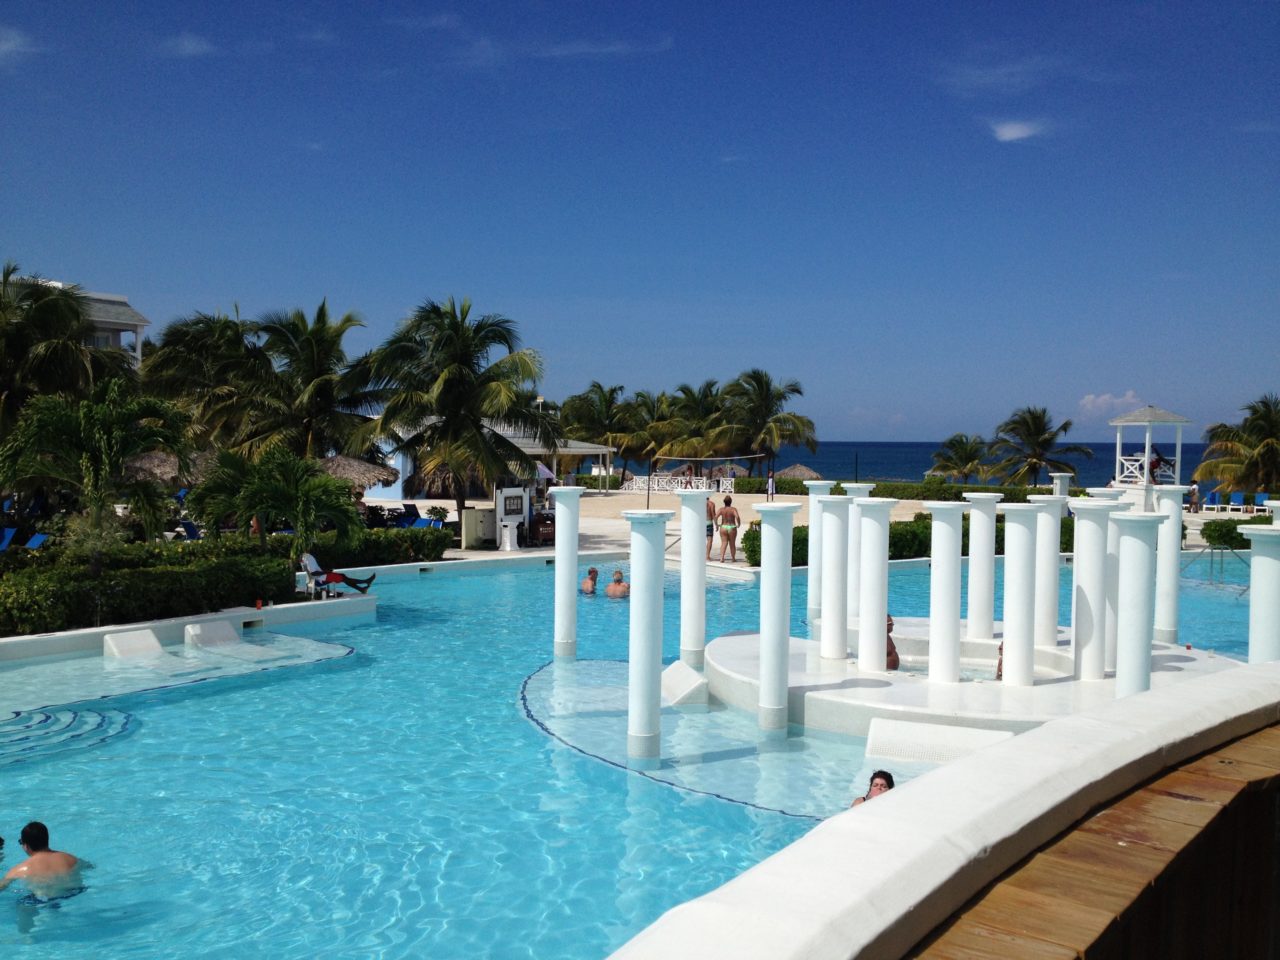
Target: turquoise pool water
(397,802)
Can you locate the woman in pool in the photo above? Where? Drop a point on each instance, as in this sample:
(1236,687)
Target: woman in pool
(881,782)
(728,520)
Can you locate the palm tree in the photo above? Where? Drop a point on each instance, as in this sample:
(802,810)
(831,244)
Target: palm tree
(649,427)
(696,417)
(45,344)
(595,414)
(448,407)
(756,420)
(84,446)
(1028,440)
(1245,456)
(961,456)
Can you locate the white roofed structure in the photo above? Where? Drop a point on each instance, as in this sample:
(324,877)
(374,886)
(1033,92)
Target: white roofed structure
(1151,466)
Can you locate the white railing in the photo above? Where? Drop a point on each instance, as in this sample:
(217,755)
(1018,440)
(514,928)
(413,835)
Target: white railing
(1132,473)
(667,483)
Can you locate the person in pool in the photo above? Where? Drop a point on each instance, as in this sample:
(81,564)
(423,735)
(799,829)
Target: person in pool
(589,582)
(729,521)
(881,782)
(48,873)
(619,588)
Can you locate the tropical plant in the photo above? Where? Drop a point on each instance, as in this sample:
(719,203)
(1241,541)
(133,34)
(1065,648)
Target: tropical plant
(85,446)
(649,427)
(961,456)
(693,430)
(595,414)
(1028,443)
(448,407)
(755,419)
(1245,456)
(46,345)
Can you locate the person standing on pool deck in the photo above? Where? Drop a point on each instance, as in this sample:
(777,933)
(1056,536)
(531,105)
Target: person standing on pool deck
(770,488)
(729,521)
(711,524)
(45,871)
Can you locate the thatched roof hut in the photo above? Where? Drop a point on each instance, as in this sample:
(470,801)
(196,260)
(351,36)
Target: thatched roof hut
(799,471)
(359,473)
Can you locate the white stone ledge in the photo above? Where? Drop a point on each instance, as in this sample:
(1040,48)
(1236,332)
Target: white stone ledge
(871,882)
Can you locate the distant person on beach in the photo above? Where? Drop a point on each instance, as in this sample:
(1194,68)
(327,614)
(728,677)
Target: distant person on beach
(319,573)
(47,873)
(891,658)
(619,589)
(728,520)
(711,525)
(770,489)
(1193,497)
(589,584)
(881,782)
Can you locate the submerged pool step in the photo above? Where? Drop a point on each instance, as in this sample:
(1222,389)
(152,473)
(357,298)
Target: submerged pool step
(39,734)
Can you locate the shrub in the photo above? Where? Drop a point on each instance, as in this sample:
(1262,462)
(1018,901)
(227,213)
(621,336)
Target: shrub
(1225,534)
(799,545)
(596,483)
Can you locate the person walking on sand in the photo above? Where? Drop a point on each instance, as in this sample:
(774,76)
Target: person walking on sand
(728,521)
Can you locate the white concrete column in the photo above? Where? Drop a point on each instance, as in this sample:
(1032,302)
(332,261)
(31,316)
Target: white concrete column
(1061,484)
(1264,593)
(693,576)
(1168,503)
(644,652)
(775,611)
(1137,591)
(1020,524)
(817,488)
(1048,567)
(1273,505)
(1113,570)
(982,565)
(1089,586)
(946,533)
(568,507)
(1105,493)
(834,640)
(853,557)
(873,593)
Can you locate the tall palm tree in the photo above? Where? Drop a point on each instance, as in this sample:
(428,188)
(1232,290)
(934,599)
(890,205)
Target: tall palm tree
(84,446)
(1245,456)
(961,456)
(46,344)
(756,420)
(448,406)
(697,413)
(1028,441)
(650,426)
(596,413)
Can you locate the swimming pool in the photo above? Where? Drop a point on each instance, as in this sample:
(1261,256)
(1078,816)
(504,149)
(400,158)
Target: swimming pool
(397,802)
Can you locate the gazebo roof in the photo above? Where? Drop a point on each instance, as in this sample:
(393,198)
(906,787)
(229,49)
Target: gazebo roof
(1146,415)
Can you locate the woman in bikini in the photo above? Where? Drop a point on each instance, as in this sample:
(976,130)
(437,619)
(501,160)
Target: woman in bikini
(728,521)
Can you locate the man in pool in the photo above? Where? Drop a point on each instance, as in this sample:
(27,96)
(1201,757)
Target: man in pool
(47,872)
(319,573)
(619,589)
(589,583)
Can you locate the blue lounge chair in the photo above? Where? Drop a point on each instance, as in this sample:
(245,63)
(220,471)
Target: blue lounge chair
(37,540)
(438,524)
(1260,502)
(8,505)
(1212,502)
(410,516)
(421,522)
(6,538)
(181,495)
(1236,503)
(191,530)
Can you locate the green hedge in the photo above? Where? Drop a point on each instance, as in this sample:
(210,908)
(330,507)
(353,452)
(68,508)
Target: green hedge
(1226,533)
(595,483)
(750,544)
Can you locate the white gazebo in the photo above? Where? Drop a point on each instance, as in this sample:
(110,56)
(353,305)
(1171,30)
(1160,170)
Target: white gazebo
(1141,470)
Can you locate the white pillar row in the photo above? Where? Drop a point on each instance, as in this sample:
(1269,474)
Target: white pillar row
(1264,593)
(853,557)
(1048,567)
(644,652)
(565,631)
(873,590)
(1135,613)
(1061,484)
(1089,587)
(817,488)
(693,576)
(1113,570)
(982,565)
(834,639)
(1168,503)
(1274,507)
(946,533)
(1020,523)
(775,612)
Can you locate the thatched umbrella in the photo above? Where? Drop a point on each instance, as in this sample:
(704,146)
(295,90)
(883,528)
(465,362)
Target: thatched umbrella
(799,471)
(359,473)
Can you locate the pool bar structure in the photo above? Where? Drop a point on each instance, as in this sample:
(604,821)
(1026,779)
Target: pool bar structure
(1103,705)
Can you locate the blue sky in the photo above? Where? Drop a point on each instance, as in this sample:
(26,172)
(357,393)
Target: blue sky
(928,213)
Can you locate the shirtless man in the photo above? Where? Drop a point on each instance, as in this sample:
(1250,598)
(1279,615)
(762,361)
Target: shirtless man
(619,588)
(711,524)
(45,871)
(589,584)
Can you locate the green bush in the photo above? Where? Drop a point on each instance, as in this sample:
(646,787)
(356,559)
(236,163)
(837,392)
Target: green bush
(596,483)
(1226,533)
(750,544)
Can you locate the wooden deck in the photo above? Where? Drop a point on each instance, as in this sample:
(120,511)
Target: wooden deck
(1185,866)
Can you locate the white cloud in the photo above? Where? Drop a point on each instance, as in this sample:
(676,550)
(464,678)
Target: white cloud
(1008,79)
(186,46)
(1010,131)
(1096,406)
(600,49)
(14,44)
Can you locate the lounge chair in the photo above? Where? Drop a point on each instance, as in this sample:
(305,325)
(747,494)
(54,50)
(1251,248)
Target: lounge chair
(409,517)
(1260,502)
(316,586)
(1212,502)
(191,531)
(37,540)
(6,538)
(1236,503)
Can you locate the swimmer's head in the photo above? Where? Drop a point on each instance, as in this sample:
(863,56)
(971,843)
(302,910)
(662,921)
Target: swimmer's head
(35,836)
(617,576)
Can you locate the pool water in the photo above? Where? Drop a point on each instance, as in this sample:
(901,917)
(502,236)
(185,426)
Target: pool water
(398,802)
